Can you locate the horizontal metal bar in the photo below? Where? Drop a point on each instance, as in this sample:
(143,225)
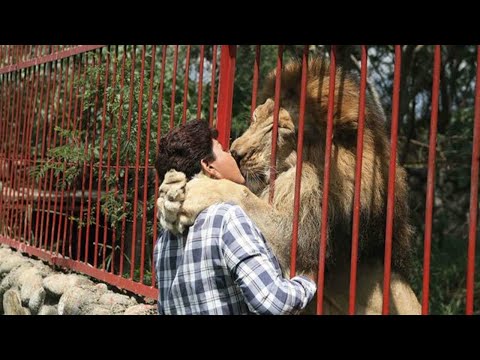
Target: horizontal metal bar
(49,58)
(137,288)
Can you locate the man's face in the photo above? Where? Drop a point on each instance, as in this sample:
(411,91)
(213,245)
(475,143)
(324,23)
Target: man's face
(225,164)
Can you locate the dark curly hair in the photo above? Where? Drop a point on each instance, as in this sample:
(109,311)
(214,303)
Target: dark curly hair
(184,147)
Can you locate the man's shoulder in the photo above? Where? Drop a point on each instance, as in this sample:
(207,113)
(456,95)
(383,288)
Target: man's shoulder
(222,214)
(167,236)
(223,208)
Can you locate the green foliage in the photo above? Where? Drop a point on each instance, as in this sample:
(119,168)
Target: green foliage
(121,103)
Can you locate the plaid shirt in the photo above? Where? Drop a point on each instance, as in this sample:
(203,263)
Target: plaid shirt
(224,266)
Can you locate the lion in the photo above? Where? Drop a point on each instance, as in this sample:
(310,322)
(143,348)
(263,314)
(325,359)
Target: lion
(252,151)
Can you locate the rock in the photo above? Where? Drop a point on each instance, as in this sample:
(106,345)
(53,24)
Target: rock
(4,253)
(111,298)
(48,310)
(30,282)
(116,303)
(142,309)
(12,278)
(11,262)
(36,300)
(12,304)
(57,284)
(98,310)
(79,300)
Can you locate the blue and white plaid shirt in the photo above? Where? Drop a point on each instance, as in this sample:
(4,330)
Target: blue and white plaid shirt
(224,266)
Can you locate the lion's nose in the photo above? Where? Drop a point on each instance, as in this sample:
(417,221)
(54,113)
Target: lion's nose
(270,104)
(236,156)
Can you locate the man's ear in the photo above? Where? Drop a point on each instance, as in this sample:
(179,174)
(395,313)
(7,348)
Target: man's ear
(208,169)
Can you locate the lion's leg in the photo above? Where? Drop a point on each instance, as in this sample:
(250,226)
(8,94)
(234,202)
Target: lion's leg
(369,291)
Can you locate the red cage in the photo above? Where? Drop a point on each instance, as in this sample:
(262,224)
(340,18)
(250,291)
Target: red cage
(79,125)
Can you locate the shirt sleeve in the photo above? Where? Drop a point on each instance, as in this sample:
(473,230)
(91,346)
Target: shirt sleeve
(250,262)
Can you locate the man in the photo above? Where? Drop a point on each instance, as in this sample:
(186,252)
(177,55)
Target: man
(222,265)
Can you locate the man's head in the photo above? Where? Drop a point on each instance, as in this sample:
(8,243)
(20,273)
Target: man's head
(192,148)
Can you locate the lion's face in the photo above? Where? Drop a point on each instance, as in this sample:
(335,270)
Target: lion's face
(253,149)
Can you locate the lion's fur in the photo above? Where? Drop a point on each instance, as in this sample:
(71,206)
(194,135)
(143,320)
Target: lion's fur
(254,149)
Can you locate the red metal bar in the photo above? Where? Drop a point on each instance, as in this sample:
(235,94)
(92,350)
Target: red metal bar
(117,163)
(17,98)
(52,233)
(15,53)
(431,180)
(44,145)
(3,122)
(64,239)
(276,112)
(100,161)
(14,208)
(41,194)
(30,180)
(185,89)
(160,93)
(225,93)
(146,167)
(37,134)
(10,145)
(46,199)
(473,196)
(326,182)
(6,145)
(80,215)
(7,54)
(22,121)
(23,115)
(47,188)
(174,84)
(12,148)
(12,154)
(10,54)
(28,145)
(109,156)
(298,173)
(18,214)
(49,58)
(84,170)
(25,149)
(90,183)
(74,190)
(256,72)
(200,82)
(358,183)
(159,132)
(7,140)
(137,166)
(125,184)
(212,83)
(391,181)
(104,120)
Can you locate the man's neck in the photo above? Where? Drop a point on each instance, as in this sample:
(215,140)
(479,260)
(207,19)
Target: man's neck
(200,175)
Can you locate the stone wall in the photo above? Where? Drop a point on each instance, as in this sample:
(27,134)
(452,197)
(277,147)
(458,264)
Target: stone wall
(31,287)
